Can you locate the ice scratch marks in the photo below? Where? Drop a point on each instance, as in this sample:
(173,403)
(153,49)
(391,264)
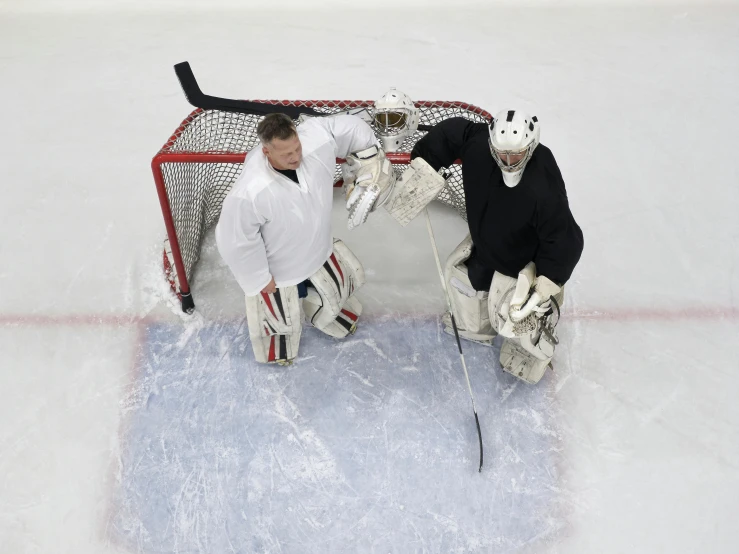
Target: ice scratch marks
(508,390)
(194,324)
(466,539)
(361,379)
(314,462)
(414,361)
(420,407)
(190,522)
(534,421)
(370,343)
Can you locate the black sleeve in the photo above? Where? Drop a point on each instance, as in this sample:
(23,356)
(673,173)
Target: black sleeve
(442,145)
(560,237)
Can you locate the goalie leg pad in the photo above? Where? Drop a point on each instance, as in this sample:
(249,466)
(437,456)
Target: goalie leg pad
(330,305)
(520,362)
(339,326)
(275,325)
(499,301)
(470,306)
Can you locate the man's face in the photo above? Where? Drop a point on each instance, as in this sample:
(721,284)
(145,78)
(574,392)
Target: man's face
(284,154)
(511,159)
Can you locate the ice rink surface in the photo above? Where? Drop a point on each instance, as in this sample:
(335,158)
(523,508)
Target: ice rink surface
(128,428)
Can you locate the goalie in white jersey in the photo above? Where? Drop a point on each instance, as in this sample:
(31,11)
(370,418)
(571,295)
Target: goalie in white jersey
(275,230)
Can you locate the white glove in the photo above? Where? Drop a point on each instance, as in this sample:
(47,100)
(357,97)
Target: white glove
(369,180)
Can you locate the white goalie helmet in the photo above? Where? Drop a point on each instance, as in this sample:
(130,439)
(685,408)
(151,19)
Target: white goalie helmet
(513,138)
(395,118)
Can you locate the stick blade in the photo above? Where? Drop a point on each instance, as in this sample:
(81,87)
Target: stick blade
(197,98)
(188,83)
(479,436)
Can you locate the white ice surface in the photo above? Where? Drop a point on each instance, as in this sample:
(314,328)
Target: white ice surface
(639,107)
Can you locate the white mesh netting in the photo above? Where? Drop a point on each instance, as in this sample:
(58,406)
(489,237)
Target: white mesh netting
(201,161)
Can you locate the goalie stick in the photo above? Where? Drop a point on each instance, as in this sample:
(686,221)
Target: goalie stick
(454,326)
(197,98)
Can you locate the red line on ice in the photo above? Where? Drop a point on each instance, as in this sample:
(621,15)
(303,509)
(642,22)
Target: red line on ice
(624,315)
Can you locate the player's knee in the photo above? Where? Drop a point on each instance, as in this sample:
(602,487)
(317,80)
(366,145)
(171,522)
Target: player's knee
(469,305)
(330,305)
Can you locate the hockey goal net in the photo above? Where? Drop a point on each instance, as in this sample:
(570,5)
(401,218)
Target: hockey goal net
(200,162)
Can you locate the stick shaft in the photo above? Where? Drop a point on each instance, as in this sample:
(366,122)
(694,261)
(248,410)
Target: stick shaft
(454,323)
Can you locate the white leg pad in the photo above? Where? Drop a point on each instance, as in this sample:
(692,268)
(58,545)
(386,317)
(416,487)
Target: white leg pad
(275,325)
(330,305)
(344,324)
(518,361)
(499,301)
(470,306)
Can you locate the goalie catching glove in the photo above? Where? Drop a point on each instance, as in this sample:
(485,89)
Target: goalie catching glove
(533,295)
(368,179)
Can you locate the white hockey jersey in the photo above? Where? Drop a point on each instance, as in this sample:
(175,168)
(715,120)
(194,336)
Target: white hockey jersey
(271,226)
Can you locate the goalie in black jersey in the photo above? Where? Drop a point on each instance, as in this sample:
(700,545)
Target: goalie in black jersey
(508,276)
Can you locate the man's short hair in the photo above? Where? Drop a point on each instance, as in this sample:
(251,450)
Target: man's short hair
(276,126)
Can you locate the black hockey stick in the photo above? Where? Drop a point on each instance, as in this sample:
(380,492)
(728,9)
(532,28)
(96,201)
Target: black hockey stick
(454,326)
(196,97)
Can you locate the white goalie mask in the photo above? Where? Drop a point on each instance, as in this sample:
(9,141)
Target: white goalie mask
(513,138)
(395,118)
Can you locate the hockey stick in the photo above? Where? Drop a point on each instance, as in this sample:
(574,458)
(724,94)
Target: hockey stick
(454,326)
(197,98)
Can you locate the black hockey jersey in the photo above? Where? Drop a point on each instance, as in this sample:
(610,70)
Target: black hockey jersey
(509,226)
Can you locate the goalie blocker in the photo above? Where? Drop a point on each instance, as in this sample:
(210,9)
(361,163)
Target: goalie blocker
(415,189)
(275,319)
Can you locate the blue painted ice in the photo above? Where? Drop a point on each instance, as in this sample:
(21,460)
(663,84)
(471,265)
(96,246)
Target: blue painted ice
(365,445)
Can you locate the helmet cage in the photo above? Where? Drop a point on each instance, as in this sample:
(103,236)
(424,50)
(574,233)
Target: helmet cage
(527,152)
(391,121)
